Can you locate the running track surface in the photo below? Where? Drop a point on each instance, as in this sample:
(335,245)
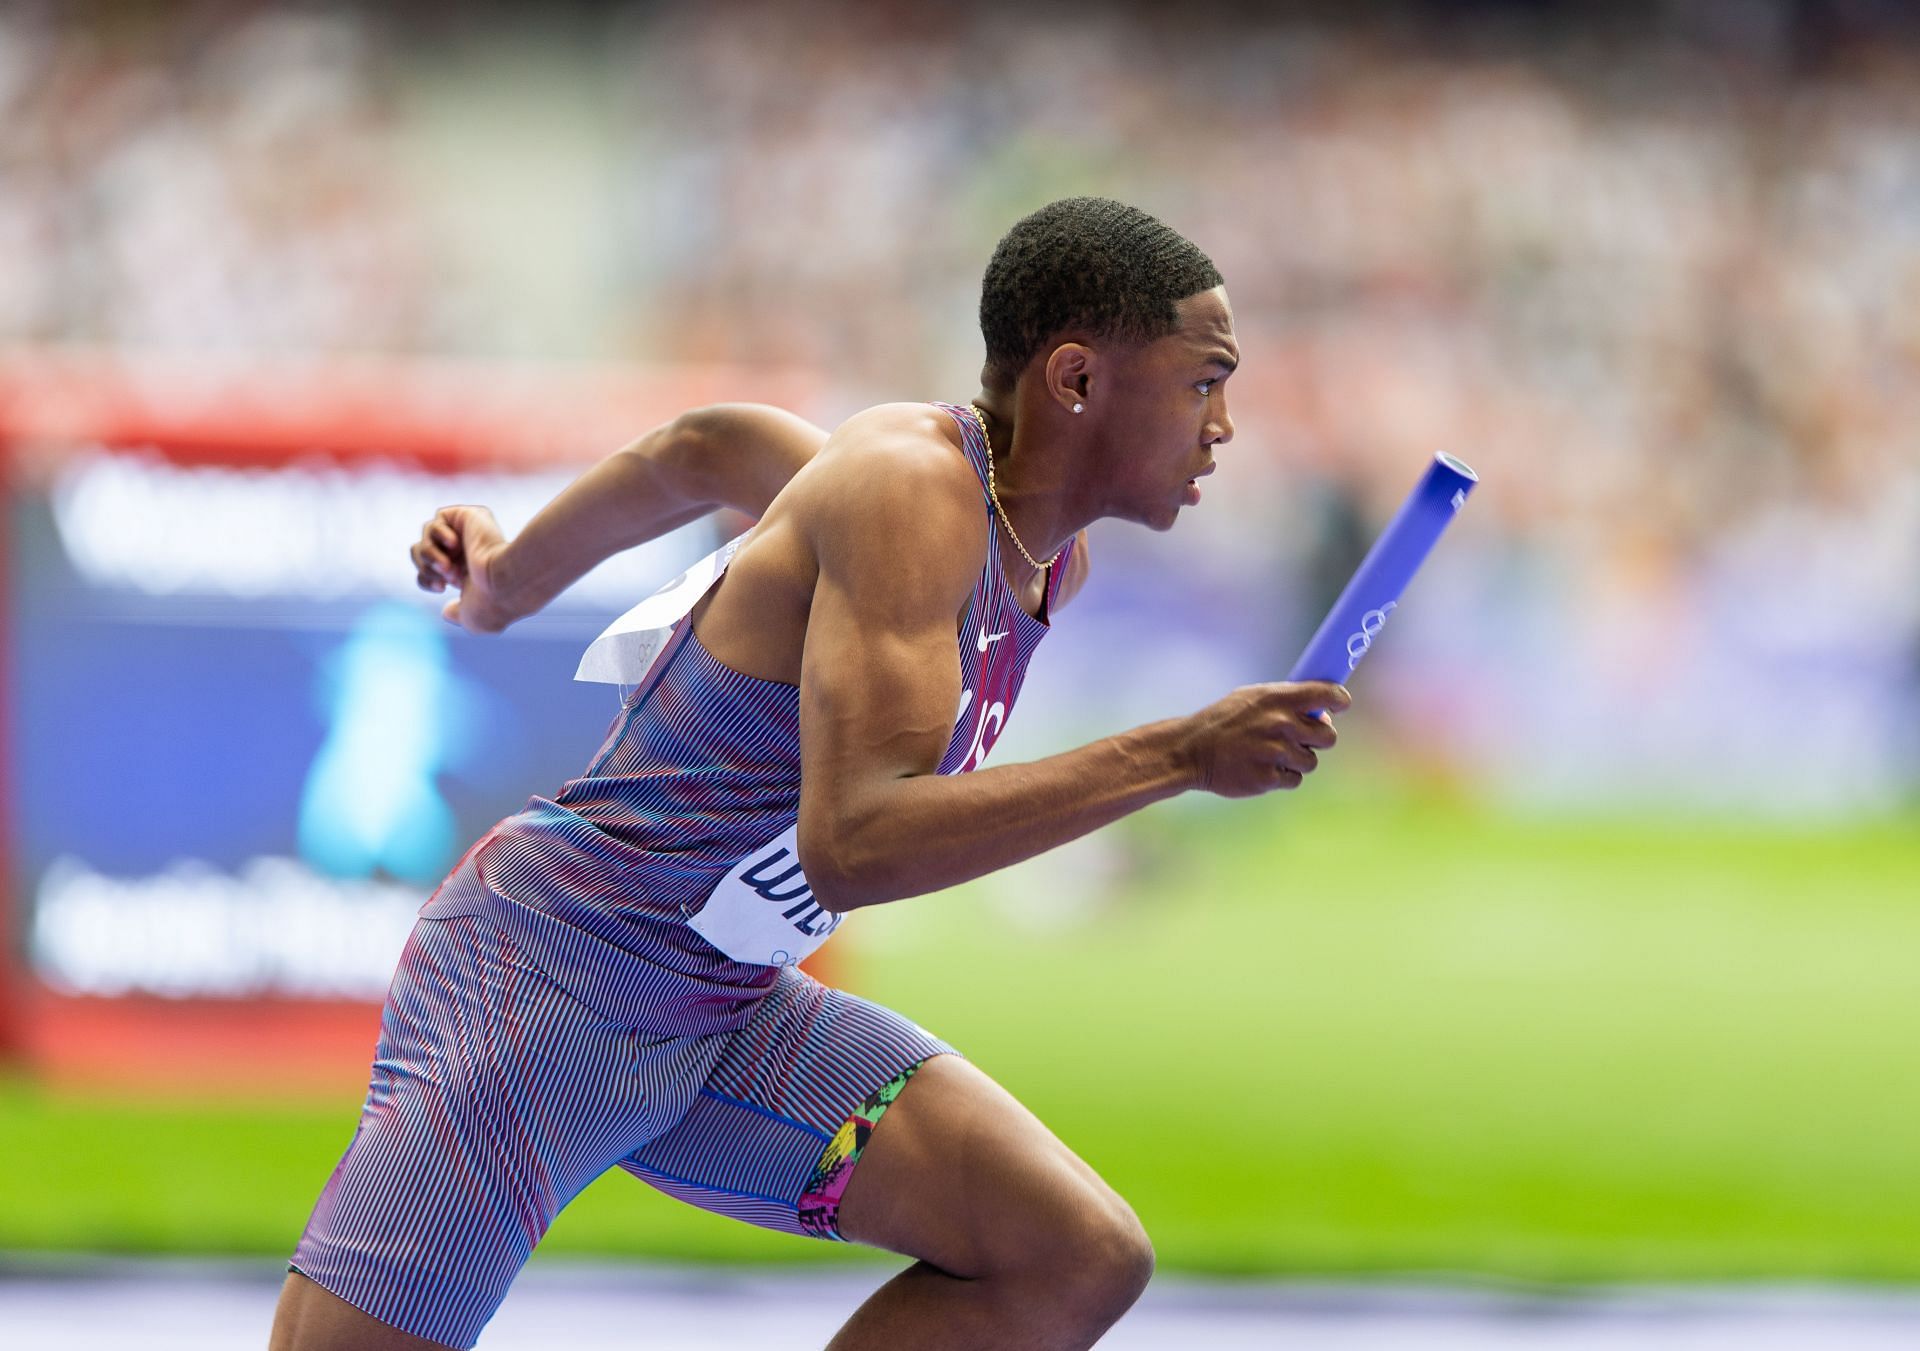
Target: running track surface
(76,1305)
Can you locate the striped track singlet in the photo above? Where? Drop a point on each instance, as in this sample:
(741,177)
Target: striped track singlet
(558,1011)
(692,802)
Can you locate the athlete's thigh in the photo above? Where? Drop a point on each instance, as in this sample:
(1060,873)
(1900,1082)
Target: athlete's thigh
(963,1176)
(496,1097)
(779,1125)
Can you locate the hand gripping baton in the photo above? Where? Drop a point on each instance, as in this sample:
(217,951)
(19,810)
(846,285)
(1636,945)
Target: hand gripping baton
(1361,612)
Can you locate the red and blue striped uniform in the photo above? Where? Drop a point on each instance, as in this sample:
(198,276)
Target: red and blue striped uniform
(557,1013)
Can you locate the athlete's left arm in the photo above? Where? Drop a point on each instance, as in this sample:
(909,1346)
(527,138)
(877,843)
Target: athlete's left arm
(727,455)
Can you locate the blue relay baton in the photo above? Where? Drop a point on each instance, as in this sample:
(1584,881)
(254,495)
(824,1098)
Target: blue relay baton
(1361,612)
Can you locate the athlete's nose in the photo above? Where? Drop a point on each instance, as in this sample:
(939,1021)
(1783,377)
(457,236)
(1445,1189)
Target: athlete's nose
(1220,429)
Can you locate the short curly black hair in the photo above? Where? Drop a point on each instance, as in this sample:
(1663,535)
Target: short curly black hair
(1084,265)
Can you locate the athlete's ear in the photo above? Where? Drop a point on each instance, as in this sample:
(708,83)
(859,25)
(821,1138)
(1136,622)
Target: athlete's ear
(1070,371)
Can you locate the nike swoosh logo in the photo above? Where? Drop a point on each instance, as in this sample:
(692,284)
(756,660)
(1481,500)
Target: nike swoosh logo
(986,638)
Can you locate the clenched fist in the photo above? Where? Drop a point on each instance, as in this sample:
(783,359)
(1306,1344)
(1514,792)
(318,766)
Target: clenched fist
(459,547)
(1263,737)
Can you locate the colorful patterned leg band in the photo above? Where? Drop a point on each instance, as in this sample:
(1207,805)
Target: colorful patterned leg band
(820,1202)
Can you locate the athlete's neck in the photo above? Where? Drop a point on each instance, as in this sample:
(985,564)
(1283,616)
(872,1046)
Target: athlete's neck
(1036,475)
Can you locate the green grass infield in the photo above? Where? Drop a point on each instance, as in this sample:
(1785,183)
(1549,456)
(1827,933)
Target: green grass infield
(1323,1035)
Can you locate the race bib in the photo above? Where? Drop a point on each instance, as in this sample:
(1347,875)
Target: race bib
(628,646)
(763,911)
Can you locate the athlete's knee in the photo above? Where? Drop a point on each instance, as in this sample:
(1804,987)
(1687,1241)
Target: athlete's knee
(1094,1260)
(1112,1261)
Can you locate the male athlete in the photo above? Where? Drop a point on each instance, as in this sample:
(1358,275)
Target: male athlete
(607,978)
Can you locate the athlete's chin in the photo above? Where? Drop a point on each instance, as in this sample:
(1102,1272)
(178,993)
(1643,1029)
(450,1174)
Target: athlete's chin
(1155,515)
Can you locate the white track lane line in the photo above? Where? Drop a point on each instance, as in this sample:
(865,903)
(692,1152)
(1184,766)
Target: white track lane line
(173,1306)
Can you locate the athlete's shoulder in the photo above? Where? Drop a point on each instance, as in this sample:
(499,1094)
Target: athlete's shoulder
(916,439)
(898,460)
(894,480)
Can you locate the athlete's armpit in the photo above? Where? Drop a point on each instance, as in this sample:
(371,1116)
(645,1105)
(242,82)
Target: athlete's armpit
(894,512)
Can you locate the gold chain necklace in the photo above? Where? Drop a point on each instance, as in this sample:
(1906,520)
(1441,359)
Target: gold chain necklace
(1012,534)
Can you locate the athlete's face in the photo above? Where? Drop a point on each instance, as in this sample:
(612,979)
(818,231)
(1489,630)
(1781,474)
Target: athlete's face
(1169,410)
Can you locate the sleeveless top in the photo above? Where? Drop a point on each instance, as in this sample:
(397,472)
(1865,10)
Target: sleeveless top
(678,845)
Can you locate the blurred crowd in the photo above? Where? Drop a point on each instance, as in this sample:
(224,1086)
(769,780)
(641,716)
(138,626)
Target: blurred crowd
(1657,277)
(182,180)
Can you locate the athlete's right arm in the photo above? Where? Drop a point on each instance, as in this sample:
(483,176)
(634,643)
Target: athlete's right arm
(899,541)
(727,455)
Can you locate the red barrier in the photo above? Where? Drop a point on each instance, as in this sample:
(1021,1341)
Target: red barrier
(442,416)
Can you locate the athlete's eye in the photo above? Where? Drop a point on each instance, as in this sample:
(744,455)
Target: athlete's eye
(1206,386)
